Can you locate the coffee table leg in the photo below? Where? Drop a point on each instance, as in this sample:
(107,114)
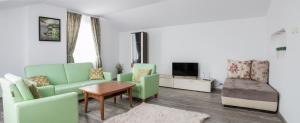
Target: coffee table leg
(130,96)
(115,99)
(86,97)
(101,102)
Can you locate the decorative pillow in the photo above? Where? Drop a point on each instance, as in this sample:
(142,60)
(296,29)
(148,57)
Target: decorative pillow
(141,73)
(32,85)
(34,91)
(239,69)
(40,80)
(260,71)
(96,74)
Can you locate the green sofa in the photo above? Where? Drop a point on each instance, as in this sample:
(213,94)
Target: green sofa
(20,107)
(64,78)
(148,85)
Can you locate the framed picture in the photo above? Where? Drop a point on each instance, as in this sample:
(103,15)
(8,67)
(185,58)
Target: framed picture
(49,29)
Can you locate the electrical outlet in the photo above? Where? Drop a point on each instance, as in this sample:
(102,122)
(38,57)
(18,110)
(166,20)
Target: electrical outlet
(295,30)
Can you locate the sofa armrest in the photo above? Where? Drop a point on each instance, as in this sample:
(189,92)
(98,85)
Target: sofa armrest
(150,84)
(107,76)
(124,77)
(46,91)
(55,109)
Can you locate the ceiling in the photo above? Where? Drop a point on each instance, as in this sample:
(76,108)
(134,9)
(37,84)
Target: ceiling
(140,14)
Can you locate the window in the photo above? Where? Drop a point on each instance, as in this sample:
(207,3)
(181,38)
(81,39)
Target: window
(85,48)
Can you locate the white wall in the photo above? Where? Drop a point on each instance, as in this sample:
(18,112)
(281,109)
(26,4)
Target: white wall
(12,39)
(210,44)
(43,52)
(20,45)
(284,71)
(109,45)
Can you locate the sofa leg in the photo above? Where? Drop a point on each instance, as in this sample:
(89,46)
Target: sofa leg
(156,95)
(143,100)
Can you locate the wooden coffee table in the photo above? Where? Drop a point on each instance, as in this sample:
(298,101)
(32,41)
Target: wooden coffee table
(104,91)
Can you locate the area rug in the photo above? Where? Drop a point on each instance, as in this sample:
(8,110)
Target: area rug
(150,113)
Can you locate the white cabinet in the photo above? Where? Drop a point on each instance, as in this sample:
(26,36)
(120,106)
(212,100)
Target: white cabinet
(193,84)
(185,83)
(166,81)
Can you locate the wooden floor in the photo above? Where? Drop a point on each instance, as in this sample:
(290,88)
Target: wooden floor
(209,103)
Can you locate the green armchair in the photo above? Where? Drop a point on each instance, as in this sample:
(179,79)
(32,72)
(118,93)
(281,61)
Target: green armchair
(148,85)
(61,108)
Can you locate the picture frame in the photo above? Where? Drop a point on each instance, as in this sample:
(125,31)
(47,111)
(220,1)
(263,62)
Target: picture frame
(49,29)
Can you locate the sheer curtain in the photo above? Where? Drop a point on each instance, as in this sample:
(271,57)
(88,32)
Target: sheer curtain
(95,22)
(73,25)
(85,49)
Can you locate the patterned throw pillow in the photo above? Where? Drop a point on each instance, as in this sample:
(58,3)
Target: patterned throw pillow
(260,71)
(40,80)
(32,85)
(141,73)
(34,91)
(239,69)
(96,74)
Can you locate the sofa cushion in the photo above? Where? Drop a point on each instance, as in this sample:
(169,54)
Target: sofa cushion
(137,88)
(238,69)
(78,72)
(91,82)
(46,91)
(248,89)
(55,72)
(74,87)
(260,71)
(66,88)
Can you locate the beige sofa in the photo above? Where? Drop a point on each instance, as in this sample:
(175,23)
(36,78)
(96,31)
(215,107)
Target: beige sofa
(249,94)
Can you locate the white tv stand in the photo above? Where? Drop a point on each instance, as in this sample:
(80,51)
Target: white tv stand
(187,83)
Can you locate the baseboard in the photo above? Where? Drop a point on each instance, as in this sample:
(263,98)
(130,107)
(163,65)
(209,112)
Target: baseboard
(281,117)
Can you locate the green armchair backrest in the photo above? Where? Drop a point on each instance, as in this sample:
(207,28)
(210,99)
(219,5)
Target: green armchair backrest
(137,67)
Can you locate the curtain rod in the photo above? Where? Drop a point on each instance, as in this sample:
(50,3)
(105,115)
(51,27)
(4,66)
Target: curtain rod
(70,10)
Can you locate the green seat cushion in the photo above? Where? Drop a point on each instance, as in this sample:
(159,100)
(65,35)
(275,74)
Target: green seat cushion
(92,82)
(46,91)
(66,88)
(78,72)
(55,72)
(24,90)
(74,87)
(137,67)
(137,88)
(15,93)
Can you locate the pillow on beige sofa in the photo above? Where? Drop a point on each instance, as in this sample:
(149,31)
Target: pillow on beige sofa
(238,69)
(260,71)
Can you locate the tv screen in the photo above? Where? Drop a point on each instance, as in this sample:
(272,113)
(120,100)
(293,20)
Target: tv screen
(184,69)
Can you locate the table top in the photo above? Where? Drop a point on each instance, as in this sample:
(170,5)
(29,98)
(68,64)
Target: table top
(107,88)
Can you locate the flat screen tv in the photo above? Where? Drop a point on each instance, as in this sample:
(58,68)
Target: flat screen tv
(184,69)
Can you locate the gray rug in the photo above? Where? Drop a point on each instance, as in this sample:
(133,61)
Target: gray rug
(149,113)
